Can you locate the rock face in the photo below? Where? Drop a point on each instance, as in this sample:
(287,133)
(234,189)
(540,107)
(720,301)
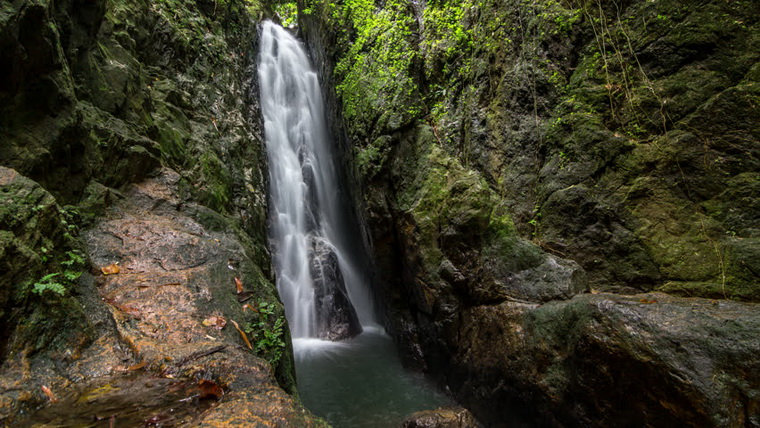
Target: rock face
(130,133)
(33,231)
(512,156)
(152,316)
(446,417)
(637,179)
(336,316)
(646,359)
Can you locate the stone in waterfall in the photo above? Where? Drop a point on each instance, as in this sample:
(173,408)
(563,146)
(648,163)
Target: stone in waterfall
(336,316)
(311,203)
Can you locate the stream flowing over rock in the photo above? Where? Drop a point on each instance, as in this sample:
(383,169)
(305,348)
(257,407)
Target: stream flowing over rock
(336,317)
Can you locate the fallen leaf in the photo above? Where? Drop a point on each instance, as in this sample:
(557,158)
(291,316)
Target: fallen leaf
(49,393)
(209,389)
(248,306)
(244,296)
(216,322)
(111,269)
(238,285)
(242,334)
(137,366)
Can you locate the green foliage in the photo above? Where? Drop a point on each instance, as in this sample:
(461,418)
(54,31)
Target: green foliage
(376,73)
(58,282)
(267,332)
(447,44)
(288,13)
(371,159)
(48,283)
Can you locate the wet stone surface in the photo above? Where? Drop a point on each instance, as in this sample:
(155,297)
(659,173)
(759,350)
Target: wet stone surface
(156,363)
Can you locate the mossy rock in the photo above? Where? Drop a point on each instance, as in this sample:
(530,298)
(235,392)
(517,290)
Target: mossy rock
(35,237)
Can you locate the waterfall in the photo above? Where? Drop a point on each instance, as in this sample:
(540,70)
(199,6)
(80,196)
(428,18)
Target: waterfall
(320,281)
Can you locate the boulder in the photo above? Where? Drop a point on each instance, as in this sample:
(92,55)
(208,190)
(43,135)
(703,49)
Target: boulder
(606,359)
(444,417)
(336,316)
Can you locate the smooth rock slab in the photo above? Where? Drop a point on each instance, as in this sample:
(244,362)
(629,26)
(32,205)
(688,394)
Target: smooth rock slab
(602,360)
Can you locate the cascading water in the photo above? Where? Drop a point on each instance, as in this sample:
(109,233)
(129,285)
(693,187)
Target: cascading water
(310,251)
(358,382)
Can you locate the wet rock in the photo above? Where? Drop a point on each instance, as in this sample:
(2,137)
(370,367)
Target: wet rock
(336,316)
(606,359)
(645,181)
(173,274)
(96,97)
(312,206)
(445,417)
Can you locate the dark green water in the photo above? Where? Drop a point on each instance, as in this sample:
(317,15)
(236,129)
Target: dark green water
(361,383)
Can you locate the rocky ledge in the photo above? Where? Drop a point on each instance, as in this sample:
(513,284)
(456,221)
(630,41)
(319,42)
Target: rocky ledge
(644,360)
(165,302)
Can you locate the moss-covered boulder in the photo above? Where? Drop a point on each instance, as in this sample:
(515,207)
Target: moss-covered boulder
(606,359)
(39,264)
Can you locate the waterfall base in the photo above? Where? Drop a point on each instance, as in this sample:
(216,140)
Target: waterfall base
(361,382)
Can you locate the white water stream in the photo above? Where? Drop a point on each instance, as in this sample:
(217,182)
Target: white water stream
(305,201)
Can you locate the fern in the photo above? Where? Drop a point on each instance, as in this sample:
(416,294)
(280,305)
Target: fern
(48,283)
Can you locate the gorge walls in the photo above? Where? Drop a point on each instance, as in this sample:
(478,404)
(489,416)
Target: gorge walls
(515,154)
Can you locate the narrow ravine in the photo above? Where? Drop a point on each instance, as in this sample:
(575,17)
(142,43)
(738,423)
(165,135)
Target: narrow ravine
(347,368)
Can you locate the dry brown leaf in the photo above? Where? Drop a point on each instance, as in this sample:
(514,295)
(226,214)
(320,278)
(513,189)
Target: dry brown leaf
(242,334)
(49,393)
(209,389)
(248,306)
(111,269)
(137,366)
(245,296)
(216,322)
(238,285)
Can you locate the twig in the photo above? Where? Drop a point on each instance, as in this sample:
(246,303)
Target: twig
(201,354)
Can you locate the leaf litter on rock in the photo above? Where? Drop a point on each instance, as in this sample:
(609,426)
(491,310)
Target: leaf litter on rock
(49,393)
(244,296)
(111,269)
(242,334)
(209,389)
(215,321)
